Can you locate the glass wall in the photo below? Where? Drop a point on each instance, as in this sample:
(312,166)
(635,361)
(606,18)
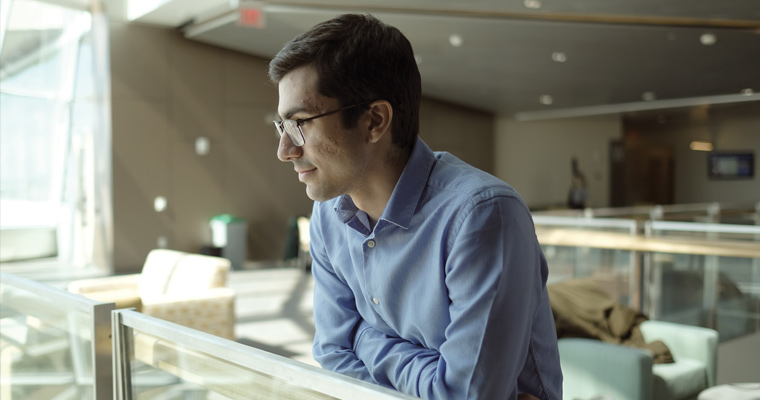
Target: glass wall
(55,157)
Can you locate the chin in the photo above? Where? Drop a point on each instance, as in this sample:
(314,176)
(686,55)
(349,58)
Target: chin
(319,196)
(314,195)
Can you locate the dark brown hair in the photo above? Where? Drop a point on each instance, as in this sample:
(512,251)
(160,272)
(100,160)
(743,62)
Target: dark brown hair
(359,58)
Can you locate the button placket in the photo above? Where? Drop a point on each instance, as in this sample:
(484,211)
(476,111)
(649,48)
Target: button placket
(371,243)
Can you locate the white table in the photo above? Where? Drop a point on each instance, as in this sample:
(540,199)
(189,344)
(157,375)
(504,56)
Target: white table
(733,391)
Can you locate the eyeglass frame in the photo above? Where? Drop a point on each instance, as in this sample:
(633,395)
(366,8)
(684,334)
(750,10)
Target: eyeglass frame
(280,125)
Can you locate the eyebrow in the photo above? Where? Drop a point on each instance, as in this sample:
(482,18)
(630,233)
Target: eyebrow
(293,111)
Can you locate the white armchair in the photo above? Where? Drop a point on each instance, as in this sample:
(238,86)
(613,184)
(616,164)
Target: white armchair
(595,369)
(187,289)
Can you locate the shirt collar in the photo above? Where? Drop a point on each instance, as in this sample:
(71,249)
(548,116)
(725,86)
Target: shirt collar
(407,193)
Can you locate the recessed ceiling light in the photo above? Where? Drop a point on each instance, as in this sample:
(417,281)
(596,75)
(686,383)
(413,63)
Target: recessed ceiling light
(159,203)
(202,145)
(700,146)
(559,56)
(748,92)
(455,40)
(534,4)
(648,96)
(708,39)
(546,99)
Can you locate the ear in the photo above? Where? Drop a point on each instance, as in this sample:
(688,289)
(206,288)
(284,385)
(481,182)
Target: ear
(381,115)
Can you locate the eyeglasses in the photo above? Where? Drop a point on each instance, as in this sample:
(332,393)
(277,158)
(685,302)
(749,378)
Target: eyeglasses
(292,127)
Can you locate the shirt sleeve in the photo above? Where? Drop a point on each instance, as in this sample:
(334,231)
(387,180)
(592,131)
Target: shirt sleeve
(495,284)
(335,315)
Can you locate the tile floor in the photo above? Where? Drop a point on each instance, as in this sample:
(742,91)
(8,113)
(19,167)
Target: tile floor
(274,310)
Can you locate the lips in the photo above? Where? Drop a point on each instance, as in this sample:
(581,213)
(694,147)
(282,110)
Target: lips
(303,174)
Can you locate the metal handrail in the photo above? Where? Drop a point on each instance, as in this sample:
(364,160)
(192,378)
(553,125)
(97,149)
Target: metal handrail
(701,227)
(584,222)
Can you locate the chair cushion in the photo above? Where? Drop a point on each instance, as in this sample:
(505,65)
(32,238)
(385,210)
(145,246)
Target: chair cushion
(196,273)
(212,311)
(682,379)
(157,271)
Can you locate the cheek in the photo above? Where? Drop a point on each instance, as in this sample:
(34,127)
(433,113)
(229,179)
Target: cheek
(326,154)
(339,144)
(330,147)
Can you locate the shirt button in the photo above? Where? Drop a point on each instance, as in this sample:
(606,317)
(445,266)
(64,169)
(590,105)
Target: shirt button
(371,244)
(375,300)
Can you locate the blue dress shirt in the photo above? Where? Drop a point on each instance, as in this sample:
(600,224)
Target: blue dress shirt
(445,298)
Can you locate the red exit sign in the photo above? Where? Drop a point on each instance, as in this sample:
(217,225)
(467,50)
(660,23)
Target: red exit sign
(251,14)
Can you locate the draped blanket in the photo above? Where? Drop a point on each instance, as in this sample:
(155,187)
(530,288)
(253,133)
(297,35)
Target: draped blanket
(583,310)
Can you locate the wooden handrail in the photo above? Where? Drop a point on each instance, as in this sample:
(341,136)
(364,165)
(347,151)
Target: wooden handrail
(609,240)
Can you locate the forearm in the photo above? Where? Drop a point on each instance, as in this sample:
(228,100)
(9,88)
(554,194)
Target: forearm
(344,362)
(334,337)
(395,362)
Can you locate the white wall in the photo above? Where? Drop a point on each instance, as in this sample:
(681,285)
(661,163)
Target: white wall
(534,157)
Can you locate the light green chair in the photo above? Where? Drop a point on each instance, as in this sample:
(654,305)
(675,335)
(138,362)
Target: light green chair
(597,370)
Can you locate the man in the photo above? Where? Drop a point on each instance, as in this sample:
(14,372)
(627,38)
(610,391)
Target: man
(428,275)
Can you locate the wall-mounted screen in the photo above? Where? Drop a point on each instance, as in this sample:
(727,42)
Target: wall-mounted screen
(731,165)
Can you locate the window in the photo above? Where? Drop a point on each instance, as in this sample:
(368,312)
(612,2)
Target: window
(54,136)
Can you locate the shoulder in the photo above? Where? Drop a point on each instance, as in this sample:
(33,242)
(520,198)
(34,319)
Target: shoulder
(451,176)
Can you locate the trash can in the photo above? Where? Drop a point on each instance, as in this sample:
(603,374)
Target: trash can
(229,233)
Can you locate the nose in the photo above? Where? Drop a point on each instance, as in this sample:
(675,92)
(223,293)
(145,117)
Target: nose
(287,151)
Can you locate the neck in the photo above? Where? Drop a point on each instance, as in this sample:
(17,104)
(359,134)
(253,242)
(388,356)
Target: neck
(374,197)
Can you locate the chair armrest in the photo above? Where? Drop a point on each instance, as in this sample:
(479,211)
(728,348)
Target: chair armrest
(592,368)
(211,311)
(686,341)
(122,298)
(108,283)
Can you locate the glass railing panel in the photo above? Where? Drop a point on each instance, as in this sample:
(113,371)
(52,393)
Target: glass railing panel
(609,268)
(716,289)
(718,292)
(167,370)
(161,360)
(53,344)
(693,273)
(586,248)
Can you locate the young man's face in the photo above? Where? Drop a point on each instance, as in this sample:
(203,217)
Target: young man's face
(331,161)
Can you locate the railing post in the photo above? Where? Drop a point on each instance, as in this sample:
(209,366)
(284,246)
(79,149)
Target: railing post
(122,384)
(652,279)
(102,362)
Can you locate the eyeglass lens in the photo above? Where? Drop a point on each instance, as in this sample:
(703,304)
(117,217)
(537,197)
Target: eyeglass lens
(290,127)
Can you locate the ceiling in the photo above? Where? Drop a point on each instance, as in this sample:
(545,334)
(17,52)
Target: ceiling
(530,59)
